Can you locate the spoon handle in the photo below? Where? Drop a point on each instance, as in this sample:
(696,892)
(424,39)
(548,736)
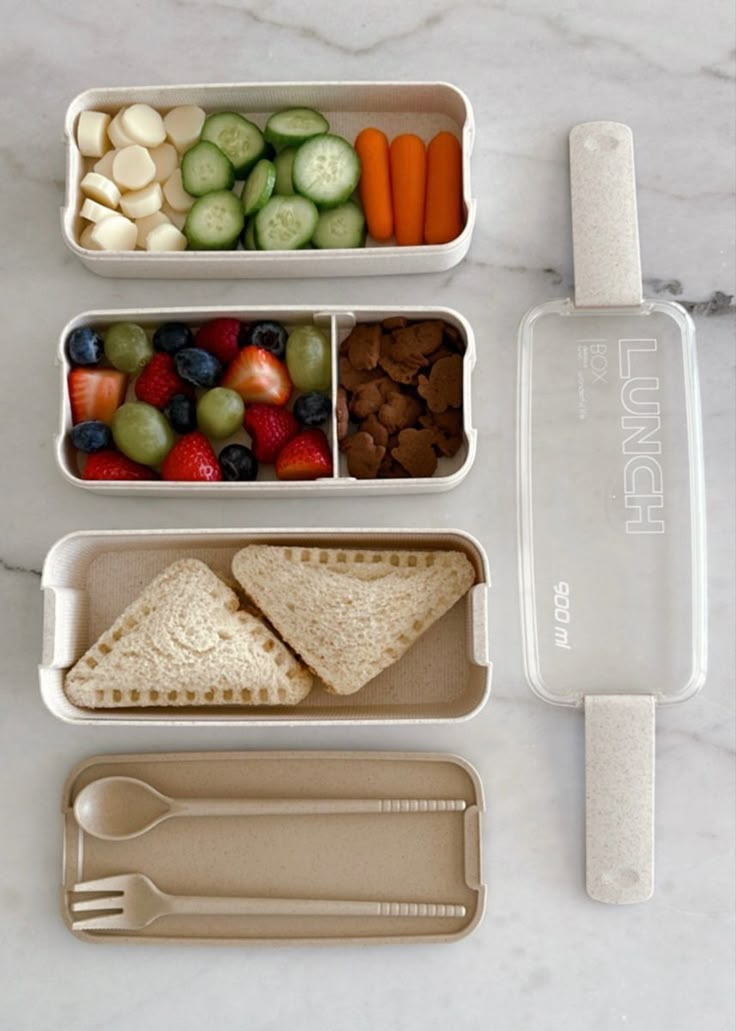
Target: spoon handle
(311,806)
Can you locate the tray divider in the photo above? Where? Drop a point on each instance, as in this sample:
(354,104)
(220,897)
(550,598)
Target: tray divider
(339,321)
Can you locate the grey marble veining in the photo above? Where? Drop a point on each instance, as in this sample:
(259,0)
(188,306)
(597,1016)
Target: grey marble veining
(546,957)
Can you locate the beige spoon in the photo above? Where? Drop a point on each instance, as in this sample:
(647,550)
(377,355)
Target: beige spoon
(115,808)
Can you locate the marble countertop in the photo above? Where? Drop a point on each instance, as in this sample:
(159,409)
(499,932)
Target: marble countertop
(546,957)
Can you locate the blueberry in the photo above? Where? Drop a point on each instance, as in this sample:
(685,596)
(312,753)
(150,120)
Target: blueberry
(91,436)
(312,409)
(172,337)
(198,367)
(84,346)
(271,336)
(238,463)
(181,411)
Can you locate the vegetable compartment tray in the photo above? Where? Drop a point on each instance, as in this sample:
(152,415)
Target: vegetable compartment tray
(89,578)
(423,108)
(422,857)
(336,321)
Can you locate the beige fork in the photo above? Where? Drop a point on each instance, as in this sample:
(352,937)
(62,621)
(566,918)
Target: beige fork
(133,901)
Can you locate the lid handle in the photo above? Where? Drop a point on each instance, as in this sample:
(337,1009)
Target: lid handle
(619,797)
(605,229)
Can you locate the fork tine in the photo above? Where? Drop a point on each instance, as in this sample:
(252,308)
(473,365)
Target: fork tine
(92,905)
(111,922)
(106,884)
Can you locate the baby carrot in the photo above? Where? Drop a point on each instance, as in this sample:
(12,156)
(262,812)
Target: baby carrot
(408,183)
(443,211)
(375,183)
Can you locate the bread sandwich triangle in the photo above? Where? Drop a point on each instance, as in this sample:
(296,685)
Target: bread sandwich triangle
(350,613)
(184,641)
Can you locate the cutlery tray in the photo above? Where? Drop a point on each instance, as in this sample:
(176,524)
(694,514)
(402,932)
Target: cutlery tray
(430,857)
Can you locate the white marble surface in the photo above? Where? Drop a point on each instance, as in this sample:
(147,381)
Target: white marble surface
(546,957)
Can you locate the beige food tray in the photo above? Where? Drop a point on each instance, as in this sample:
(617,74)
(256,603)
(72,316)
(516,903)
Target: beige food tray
(89,577)
(423,108)
(410,857)
(337,320)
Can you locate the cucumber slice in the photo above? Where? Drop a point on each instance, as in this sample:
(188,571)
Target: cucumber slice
(259,186)
(204,169)
(343,226)
(326,170)
(214,222)
(249,236)
(284,163)
(240,140)
(285,224)
(294,126)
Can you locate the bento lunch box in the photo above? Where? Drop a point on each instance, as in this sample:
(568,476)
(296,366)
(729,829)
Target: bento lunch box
(423,108)
(337,321)
(90,577)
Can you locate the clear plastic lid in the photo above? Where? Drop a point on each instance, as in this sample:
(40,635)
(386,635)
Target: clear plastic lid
(612,543)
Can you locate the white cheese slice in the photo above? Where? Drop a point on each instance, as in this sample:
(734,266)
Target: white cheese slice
(166,160)
(118,137)
(183,125)
(149,222)
(143,124)
(104,165)
(116,233)
(166,238)
(133,168)
(92,133)
(84,238)
(101,189)
(95,212)
(139,203)
(175,193)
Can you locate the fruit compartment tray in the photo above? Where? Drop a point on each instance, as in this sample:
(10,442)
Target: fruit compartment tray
(424,108)
(432,857)
(89,577)
(336,321)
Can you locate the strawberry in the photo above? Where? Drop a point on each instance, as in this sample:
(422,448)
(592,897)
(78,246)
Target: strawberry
(96,393)
(159,381)
(191,458)
(111,465)
(270,429)
(258,376)
(306,457)
(220,337)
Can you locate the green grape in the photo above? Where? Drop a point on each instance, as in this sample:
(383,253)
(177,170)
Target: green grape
(308,358)
(127,347)
(220,412)
(142,433)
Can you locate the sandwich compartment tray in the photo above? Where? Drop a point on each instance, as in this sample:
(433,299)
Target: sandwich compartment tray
(336,321)
(430,857)
(89,577)
(423,108)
